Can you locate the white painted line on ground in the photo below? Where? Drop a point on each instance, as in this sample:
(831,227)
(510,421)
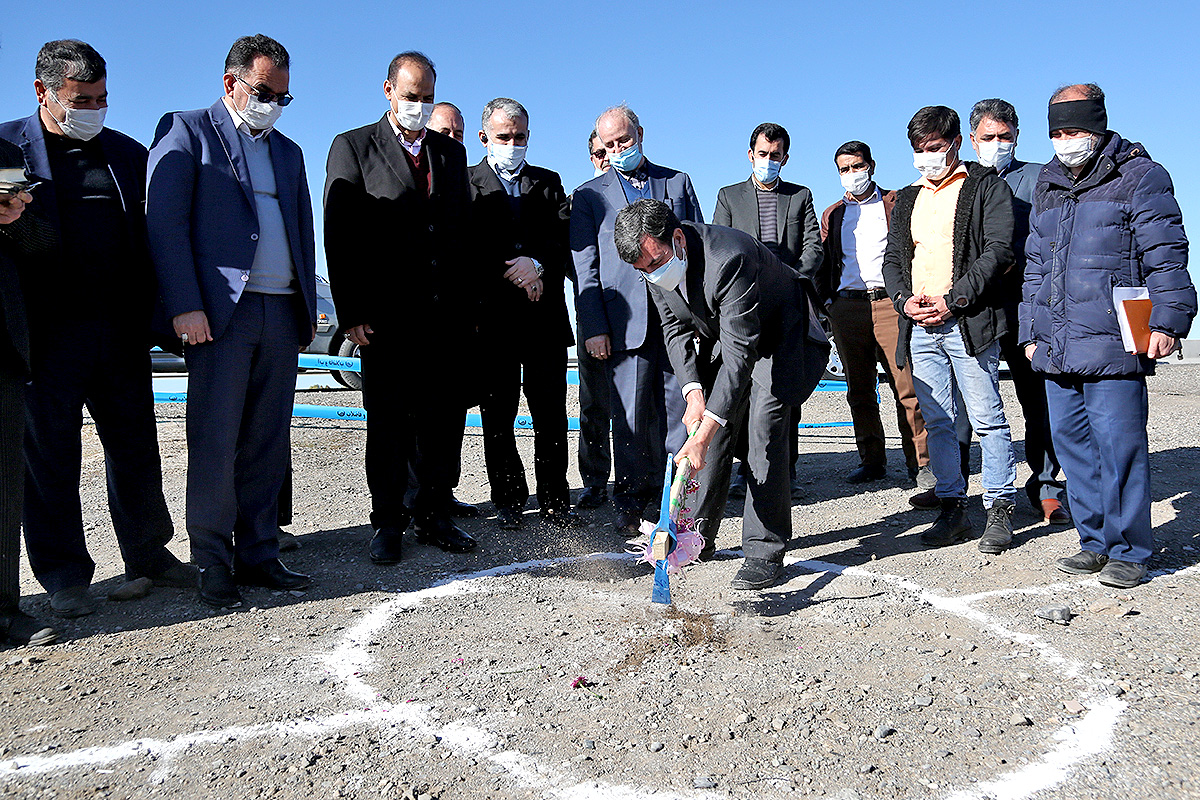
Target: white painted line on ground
(349,661)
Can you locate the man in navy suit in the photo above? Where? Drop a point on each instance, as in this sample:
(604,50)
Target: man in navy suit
(89,298)
(231,232)
(617,321)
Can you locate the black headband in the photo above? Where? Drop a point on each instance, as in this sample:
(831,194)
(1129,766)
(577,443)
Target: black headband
(1086,115)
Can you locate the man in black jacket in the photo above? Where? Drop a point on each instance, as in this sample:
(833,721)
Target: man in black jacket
(949,244)
(519,217)
(18,237)
(396,201)
(89,300)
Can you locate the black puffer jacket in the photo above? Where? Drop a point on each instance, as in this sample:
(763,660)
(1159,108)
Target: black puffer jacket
(983,231)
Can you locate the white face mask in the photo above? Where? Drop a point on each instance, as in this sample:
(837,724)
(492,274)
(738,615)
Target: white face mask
(506,157)
(80,123)
(260,116)
(996,153)
(411,115)
(669,275)
(856,182)
(933,166)
(1074,152)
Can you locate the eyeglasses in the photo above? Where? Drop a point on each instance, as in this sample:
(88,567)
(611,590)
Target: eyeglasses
(266,95)
(598,154)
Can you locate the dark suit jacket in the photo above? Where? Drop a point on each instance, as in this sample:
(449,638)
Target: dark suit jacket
(14,334)
(203,221)
(399,259)
(799,237)
(746,315)
(610,298)
(1021,177)
(538,231)
(127,161)
(830,275)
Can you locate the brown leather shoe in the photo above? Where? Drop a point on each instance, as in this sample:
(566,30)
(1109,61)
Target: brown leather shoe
(1054,513)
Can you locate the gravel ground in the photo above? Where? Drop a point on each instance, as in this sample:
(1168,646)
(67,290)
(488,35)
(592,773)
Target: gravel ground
(536,667)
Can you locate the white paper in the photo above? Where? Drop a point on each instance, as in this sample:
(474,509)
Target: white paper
(1120,295)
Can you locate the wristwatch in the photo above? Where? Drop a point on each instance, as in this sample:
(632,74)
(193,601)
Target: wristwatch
(537,265)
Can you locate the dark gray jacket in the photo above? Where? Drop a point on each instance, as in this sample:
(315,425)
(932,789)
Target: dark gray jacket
(799,233)
(746,317)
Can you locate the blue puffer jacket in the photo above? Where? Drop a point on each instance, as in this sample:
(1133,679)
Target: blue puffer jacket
(1120,225)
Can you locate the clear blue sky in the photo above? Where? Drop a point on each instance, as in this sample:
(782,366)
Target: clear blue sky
(700,75)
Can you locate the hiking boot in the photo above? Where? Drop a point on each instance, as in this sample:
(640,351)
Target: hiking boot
(951,525)
(1122,574)
(1085,562)
(997,534)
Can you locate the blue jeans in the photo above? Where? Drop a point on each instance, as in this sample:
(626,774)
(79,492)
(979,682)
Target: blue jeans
(939,363)
(1099,428)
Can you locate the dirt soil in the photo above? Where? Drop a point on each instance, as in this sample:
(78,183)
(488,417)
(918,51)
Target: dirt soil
(536,667)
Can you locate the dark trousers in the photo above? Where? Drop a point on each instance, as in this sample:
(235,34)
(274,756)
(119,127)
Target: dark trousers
(108,370)
(595,420)
(1030,386)
(866,333)
(241,389)
(541,369)
(767,520)
(647,418)
(1100,436)
(412,416)
(12,485)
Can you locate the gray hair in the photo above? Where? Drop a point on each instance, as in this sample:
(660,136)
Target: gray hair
(636,221)
(1000,110)
(507,106)
(68,59)
(1090,91)
(624,111)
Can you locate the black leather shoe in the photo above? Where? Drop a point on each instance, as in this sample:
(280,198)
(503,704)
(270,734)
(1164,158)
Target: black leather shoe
(271,574)
(217,588)
(385,545)
(925,499)
(1085,562)
(21,630)
(458,508)
(178,576)
(757,573)
(592,497)
(867,473)
(444,535)
(997,533)
(560,517)
(1122,574)
(951,525)
(509,519)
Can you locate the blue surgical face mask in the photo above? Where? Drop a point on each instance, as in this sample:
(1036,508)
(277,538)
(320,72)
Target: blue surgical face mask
(628,159)
(766,170)
(669,275)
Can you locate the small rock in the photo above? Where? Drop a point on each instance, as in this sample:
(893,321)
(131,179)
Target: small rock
(1114,690)
(865,768)
(703,782)
(942,754)
(777,723)
(589,744)
(743,719)
(1019,719)
(883,731)
(922,701)
(973,733)
(1057,614)
(296,593)
(135,589)
(931,728)
(656,747)
(1074,707)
